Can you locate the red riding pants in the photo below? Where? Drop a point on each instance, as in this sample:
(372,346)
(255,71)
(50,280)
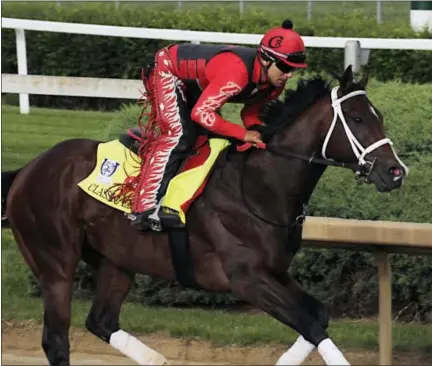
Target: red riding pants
(164,134)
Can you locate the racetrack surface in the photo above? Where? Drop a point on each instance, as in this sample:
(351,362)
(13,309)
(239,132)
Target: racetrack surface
(21,346)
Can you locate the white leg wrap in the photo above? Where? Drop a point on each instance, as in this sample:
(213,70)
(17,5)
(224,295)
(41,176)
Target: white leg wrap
(298,352)
(134,349)
(331,354)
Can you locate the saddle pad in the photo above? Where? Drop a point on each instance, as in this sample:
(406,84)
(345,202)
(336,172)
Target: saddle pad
(183,188)
(113,164)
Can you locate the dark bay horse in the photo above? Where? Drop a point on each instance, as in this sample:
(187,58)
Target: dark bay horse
(244,230)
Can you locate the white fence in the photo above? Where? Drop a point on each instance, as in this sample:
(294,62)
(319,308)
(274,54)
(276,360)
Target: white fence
(71,86)
(356,52)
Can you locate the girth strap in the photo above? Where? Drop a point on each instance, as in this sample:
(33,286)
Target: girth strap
(182,259)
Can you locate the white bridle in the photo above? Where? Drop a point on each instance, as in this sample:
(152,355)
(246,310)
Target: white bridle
(359,151)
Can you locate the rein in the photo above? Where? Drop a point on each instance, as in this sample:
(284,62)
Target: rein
(312,160)
(299,221)
(362,169)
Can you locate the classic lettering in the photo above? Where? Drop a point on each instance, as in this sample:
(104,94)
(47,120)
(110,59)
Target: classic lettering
(107,195)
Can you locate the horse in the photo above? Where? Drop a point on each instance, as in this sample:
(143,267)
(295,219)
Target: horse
(244,229)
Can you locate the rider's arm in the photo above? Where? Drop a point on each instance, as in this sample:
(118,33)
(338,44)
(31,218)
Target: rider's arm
(249,113)
(224,82)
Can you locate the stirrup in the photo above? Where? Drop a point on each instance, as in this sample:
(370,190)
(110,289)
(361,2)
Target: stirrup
(160,218)
(144,222)
(154,220)
(164,218)
(171,219)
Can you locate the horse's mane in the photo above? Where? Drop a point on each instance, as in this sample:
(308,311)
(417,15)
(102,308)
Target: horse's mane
(277,114)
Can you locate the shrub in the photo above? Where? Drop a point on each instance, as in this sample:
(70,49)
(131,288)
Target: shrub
(63,54)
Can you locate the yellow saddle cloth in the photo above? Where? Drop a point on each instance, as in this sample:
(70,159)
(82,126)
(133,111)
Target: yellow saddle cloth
(115,163)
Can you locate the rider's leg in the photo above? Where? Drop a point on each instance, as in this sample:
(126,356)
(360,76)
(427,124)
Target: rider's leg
(177,156)
(185,144)
(176,136)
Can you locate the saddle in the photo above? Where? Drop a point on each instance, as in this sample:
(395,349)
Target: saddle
(192,174)
(182,191)
(117,159)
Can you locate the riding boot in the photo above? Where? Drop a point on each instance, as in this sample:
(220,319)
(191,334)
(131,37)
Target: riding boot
(158,217)
(169,218)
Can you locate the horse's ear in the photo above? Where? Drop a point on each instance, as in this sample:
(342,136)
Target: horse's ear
(346,79)
(334,74)
(363,82)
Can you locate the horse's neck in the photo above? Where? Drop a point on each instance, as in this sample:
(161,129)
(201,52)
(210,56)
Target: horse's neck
(285,184)
(276,187)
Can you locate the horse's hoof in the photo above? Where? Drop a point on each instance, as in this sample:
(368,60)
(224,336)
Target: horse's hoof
(159,360)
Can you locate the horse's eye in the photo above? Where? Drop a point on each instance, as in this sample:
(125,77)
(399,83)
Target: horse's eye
(357,120)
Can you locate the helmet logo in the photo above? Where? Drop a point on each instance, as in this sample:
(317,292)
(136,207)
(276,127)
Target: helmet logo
(275,42)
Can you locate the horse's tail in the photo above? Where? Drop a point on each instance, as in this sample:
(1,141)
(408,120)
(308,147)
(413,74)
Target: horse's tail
(7,179)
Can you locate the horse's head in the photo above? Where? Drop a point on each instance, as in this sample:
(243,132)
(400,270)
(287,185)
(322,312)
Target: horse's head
(356,135)
(345,129)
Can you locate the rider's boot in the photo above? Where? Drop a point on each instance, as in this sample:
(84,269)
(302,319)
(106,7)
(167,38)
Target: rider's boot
(158,217)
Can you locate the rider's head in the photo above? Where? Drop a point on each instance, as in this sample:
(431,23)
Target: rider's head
(282,51)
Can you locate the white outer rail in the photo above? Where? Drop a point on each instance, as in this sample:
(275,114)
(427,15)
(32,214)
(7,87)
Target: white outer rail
(20,25)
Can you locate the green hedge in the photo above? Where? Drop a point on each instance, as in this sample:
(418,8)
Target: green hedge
(112,57)
(345,280)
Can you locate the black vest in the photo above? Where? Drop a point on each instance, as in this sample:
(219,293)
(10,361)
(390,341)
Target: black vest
(188,51)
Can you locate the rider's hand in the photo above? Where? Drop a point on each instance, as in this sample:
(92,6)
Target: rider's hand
(253,136)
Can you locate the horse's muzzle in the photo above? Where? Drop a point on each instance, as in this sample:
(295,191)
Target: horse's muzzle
(364,171)
(386,177)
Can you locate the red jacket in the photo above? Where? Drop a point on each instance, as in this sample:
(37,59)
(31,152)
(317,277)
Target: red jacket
(220,77)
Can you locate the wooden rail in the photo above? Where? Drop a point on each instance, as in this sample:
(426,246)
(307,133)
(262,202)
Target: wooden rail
(380,238)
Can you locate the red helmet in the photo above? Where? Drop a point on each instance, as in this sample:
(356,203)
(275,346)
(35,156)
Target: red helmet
(284,44)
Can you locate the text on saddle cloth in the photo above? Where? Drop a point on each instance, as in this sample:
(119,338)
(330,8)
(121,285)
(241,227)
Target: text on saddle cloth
(115,163)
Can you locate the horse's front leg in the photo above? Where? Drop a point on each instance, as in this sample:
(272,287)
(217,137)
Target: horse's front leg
(255,284)
(314,306)
(301,349)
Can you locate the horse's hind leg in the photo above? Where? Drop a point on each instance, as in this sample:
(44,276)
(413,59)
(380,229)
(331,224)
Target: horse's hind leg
(113,285)
(54,266)
(57,293)
(56,279)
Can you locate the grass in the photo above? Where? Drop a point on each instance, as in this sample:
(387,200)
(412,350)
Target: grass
(24,137)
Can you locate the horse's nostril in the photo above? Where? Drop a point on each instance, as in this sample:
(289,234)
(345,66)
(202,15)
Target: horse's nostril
(396,172)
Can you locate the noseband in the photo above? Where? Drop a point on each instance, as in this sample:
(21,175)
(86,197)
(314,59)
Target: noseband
(363,167)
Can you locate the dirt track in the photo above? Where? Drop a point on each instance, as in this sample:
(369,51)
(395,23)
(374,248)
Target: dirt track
(21,346)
